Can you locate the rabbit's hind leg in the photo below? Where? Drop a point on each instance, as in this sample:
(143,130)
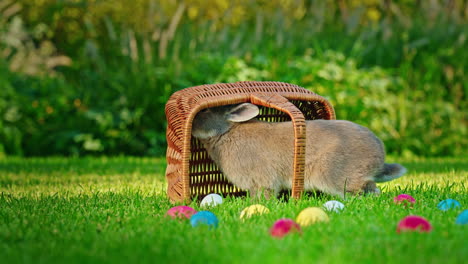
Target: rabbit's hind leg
(371,188)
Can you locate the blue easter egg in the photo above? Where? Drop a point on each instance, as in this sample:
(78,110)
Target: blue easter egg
(448,204)
(462,218)
(204,218)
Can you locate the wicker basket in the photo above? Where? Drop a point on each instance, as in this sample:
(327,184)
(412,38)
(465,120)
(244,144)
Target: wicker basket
(191,173)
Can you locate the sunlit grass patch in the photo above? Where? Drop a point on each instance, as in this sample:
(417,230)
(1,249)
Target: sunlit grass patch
(103,210)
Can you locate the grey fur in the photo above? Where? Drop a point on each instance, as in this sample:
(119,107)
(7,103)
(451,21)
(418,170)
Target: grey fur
(258,156)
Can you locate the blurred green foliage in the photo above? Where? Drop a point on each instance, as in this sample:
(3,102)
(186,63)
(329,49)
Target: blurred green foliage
(81,77)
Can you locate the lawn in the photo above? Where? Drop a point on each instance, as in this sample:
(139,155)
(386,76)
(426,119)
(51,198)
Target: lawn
(112,210)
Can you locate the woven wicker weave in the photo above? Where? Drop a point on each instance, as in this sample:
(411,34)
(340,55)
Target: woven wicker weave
(191,173)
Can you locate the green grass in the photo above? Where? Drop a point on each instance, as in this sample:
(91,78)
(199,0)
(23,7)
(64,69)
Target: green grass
(112,210)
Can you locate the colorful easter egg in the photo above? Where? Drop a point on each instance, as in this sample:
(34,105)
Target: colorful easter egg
(414,223)
(204,218)
(181,212)
(211,199)
(311,216)
(283,227)
(256,209)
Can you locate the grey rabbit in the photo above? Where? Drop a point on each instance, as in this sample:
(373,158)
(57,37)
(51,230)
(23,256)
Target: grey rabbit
(257,156)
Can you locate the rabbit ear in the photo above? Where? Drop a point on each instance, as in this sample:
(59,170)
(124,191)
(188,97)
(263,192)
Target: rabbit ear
(243,112)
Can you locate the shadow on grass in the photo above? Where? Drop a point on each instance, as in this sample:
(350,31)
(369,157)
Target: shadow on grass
(89,165)
(436,165)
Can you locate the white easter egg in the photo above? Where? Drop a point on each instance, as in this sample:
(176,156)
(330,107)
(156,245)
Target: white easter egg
(333,206)
(211,199)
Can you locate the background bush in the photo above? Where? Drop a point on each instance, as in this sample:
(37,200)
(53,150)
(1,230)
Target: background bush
(85,77)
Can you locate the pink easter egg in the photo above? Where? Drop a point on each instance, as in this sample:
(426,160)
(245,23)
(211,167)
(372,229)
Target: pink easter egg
(181,212)
(414,223)
(404,199)
(282,227)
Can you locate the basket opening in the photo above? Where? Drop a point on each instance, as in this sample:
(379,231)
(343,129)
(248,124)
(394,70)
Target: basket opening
(206,177)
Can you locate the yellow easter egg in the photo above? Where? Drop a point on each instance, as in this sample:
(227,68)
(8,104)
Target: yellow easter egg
(311,216)
(256,209)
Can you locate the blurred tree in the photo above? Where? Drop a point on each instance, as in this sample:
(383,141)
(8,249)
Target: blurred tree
(27,50)
(403,60)
(71,22)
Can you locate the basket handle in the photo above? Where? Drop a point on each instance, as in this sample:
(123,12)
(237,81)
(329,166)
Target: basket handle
(282,104)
